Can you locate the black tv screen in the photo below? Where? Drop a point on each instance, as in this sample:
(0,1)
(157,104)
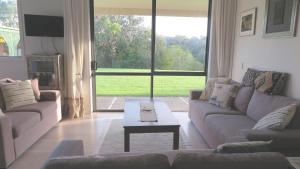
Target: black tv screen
(46,26)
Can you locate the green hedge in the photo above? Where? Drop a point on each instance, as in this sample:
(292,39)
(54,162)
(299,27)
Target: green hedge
(12,38)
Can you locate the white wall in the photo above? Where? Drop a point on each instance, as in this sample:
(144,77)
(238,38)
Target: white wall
(281,54)
(41,45)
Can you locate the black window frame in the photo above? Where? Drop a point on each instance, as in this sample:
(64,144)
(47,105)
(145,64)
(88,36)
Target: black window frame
(153,72)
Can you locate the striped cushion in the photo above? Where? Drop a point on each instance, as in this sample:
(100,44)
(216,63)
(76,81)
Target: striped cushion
(1,113)
(17,94)
(278,119)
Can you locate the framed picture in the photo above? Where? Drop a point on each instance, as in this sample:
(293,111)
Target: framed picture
(248,22)
(281,18)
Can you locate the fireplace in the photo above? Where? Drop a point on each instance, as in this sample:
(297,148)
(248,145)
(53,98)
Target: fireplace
(48,69)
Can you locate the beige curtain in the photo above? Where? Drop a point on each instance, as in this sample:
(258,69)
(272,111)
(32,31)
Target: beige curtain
(77,50)
(222,37)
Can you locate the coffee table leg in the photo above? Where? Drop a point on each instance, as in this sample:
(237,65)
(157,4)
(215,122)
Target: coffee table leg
(176,139)
(126,141)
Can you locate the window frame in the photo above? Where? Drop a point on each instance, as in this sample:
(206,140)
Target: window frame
(153,72)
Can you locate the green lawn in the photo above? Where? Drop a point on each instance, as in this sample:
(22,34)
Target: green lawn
(140,85)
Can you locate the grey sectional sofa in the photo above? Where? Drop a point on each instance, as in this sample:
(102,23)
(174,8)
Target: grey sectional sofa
(70,155)
(219,126)
(22,126)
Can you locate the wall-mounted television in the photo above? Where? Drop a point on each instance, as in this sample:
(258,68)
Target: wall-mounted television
(45,26)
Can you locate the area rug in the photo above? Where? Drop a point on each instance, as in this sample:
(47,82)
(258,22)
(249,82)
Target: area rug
(139,143)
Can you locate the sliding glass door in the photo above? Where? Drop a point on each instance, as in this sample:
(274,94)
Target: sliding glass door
(148,48)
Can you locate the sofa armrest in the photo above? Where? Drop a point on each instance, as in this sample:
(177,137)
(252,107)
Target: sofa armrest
(195,94)
(49,95)
(289,138)
(7,151)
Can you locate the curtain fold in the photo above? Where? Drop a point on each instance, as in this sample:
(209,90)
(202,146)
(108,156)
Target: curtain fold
(77,51)
(222,37)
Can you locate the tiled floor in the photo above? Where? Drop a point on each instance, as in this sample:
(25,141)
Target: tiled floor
(177,104)
(92,131)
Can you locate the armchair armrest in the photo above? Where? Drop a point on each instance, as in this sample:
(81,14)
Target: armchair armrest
(195,94)
(49,95)
(289,138)
(7,151)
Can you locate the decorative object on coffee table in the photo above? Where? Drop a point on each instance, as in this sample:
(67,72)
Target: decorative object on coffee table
(147,112)
(248,22)
(281,18)
(166,122)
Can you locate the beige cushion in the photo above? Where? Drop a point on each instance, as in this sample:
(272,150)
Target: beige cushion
(17,94)
(210,85)
(36,89)
(1,113)
(223,95)
(277,119)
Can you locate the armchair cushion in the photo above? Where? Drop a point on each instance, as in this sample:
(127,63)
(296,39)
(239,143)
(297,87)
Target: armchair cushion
(288,138)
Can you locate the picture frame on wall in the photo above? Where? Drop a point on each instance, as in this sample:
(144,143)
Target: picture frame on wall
(281,18)
(248,22)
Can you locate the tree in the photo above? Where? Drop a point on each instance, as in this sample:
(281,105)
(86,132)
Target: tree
(9,13)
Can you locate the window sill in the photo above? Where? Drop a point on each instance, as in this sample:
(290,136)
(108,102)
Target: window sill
(12,59)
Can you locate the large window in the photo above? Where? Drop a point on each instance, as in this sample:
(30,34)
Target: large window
(9,29)
(149,48)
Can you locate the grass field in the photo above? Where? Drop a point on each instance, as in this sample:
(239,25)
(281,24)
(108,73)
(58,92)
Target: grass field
(140,85)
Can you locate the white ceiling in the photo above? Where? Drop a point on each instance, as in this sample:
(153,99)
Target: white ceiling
(143,7)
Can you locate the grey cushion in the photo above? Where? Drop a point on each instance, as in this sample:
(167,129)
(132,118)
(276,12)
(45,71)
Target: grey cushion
(244,147)
(243,98)
(203,109)
(230,161)
(227,126)
(23,121)
(150,161)
(262,104)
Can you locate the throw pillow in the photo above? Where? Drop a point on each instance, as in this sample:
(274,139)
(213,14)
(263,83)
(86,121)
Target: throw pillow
(17,94)
(271,82)
(278,119)
(223,95)
(244,147)
(243,98)
(3,82)
(210,85)
(35,88)
(249,77)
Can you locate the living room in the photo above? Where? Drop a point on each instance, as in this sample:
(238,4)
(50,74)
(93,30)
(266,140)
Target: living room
(120,85)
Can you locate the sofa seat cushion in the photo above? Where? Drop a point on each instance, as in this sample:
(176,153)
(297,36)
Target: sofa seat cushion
(204,109)
(227,126)
(44,108)
(23,121)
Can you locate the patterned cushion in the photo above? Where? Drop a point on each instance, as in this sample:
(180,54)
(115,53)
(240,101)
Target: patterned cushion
(4,81)
(223,95)
(250,76)
(278,119)
(210,85)
(271,82)
(17,94)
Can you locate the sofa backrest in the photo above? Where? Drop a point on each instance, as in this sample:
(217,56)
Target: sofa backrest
(230,161)
(262,104)
(149,161)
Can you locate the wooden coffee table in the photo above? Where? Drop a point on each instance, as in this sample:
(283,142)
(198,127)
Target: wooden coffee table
(166,122)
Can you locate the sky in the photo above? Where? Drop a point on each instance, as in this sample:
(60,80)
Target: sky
(185,26)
